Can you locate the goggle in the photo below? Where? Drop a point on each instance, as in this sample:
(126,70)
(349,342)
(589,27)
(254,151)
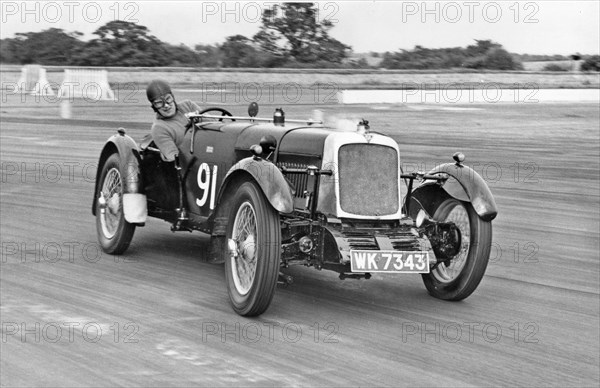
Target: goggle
(161,101)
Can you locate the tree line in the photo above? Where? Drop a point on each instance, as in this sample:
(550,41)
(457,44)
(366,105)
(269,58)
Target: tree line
(290,35)
(485,54)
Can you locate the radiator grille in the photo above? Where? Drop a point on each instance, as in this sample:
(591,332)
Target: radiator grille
(358,240)
(404,241)
(368,179)
(298,180)
(401,240)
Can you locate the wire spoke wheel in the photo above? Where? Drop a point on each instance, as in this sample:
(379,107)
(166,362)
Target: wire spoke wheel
(458,278)
(114,232)
(254,244)
(112,190)
(244,236)
(459,215)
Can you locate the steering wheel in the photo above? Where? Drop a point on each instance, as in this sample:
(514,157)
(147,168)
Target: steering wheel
(224,112)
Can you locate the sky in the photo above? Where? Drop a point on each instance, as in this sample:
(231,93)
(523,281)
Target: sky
(533,27)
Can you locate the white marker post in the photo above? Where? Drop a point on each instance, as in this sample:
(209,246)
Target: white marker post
(65,109)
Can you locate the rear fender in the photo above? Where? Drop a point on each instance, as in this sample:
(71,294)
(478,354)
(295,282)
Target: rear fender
(463,184)
(134,199)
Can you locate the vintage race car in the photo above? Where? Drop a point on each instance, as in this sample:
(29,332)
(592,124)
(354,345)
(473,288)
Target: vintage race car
(273,192)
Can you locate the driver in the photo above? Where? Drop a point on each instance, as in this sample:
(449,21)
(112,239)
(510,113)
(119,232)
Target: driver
(168,131)
(169,125)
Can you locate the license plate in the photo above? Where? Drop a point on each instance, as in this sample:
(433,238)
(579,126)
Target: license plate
(389,261)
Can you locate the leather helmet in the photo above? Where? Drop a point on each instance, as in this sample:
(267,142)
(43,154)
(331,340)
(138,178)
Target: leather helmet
(157,88)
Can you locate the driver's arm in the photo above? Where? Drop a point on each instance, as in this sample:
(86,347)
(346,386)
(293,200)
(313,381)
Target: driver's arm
(164,139)
(188,106)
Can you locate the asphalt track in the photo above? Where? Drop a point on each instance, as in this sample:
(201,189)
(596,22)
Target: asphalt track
(159,315)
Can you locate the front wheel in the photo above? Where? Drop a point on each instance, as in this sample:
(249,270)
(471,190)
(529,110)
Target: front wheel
(458,278)
(114,232)
(253,243)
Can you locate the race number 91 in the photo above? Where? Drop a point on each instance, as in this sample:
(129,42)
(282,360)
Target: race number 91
(207,182)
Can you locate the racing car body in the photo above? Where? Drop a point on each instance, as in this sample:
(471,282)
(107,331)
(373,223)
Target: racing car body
(273,193)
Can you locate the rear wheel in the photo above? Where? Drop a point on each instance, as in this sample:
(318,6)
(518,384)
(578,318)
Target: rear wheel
(114,232)
(458,278)
(254,243)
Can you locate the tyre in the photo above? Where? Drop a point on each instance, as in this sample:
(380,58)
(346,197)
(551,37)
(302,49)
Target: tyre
(114,233)
(458,278)
(253,243)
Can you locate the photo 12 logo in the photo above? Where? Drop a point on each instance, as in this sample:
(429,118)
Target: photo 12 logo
(268,92)
(289,332)
(518,252)
(53,252)
(463,93)
(469,11)
(55,12)
(256,12)
(517,172)
(453,332)
(53,332)
(70,89)
(51,172)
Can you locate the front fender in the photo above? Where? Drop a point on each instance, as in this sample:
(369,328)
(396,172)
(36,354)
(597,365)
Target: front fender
(467,185)
(268,177)
(130,161)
